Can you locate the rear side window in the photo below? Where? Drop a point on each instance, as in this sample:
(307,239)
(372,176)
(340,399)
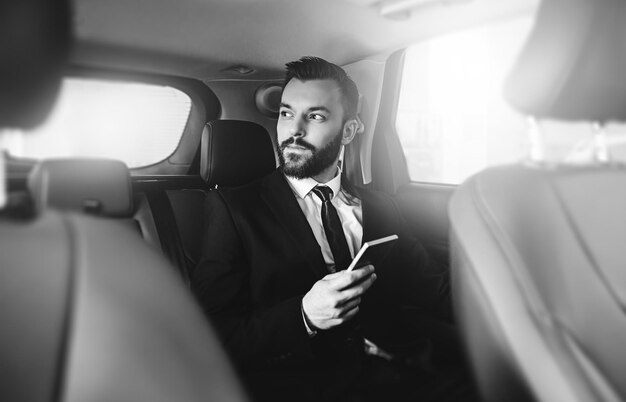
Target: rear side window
(140,124)
(453,121)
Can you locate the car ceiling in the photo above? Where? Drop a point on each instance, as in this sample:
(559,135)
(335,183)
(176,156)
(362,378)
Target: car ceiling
(203,38)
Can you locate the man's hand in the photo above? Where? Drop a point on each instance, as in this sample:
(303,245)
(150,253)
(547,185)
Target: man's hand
(335,298)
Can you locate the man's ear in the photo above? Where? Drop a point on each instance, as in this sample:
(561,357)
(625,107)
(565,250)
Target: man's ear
(350,129)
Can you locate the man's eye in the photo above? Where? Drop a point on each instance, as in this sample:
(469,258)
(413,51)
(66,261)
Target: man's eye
(285,113)
(317,117)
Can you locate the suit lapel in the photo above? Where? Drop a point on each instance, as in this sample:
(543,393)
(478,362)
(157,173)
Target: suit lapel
(279,197)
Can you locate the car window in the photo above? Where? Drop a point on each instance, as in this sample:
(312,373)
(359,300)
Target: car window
(140,124)
(453,121)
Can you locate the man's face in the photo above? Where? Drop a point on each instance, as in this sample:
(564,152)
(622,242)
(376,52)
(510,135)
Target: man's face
(310,128)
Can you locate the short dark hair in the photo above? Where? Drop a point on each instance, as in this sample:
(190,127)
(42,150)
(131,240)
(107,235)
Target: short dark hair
(315,68)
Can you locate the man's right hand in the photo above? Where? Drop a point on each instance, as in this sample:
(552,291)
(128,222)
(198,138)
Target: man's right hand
(335,298)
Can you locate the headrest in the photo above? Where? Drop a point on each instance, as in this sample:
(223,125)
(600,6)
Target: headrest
(35,40)
(96,186)
(235,152)
(573,66)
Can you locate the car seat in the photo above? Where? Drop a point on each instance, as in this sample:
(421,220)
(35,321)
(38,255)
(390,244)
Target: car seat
(89,312)
(538,277)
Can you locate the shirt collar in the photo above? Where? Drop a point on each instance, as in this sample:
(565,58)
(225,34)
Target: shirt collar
(302,187)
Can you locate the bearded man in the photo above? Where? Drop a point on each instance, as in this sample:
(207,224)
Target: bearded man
(273,281)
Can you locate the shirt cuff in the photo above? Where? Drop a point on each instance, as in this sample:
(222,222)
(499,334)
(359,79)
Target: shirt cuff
(309,330)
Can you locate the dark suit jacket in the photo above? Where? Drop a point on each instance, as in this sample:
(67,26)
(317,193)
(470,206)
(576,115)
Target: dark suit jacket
(260,258)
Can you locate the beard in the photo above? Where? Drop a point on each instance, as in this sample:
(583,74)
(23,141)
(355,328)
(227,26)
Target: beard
(302,166)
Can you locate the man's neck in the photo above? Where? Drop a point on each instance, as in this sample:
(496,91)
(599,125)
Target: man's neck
(302,187)
(327,174)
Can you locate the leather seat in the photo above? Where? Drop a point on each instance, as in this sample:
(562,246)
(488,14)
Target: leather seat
(539,284)
(89,311)
(232,152)
(235,152)
(538,281)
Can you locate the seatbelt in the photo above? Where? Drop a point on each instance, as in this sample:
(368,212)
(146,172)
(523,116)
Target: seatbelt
(167,229)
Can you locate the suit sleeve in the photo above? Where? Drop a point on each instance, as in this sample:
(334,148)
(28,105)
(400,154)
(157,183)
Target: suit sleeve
(255,336)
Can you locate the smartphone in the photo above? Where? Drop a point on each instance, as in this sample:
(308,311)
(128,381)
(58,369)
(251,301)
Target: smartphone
(360,259)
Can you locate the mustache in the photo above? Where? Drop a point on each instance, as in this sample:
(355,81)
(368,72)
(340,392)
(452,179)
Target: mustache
(297,141)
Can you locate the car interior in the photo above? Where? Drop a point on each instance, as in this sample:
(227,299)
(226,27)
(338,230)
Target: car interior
(495,126)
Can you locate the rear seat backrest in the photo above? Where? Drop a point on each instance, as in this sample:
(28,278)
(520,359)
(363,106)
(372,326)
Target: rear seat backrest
(187,207)
(233,152)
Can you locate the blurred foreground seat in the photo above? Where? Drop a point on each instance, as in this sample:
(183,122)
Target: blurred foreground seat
(89,312)
(538,263)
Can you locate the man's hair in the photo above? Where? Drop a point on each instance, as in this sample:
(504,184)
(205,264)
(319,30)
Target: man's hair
(314,68)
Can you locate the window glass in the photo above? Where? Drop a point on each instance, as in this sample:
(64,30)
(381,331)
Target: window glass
(452,119)
(140,124)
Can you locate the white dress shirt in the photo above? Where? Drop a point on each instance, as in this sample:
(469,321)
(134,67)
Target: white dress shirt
(351,216)
(349,211)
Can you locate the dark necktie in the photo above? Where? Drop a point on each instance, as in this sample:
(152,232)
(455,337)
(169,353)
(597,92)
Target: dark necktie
(333,229)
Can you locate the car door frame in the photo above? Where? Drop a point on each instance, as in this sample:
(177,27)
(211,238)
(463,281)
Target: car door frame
(423,205)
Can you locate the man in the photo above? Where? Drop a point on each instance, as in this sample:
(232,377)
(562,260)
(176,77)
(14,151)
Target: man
(272,276)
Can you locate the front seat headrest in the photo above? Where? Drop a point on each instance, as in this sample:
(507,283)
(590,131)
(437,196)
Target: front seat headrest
(35,41)
(96,186)
(235,152)
(573,66)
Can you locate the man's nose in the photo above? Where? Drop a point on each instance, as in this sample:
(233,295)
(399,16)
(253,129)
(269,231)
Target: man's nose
(297,128)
